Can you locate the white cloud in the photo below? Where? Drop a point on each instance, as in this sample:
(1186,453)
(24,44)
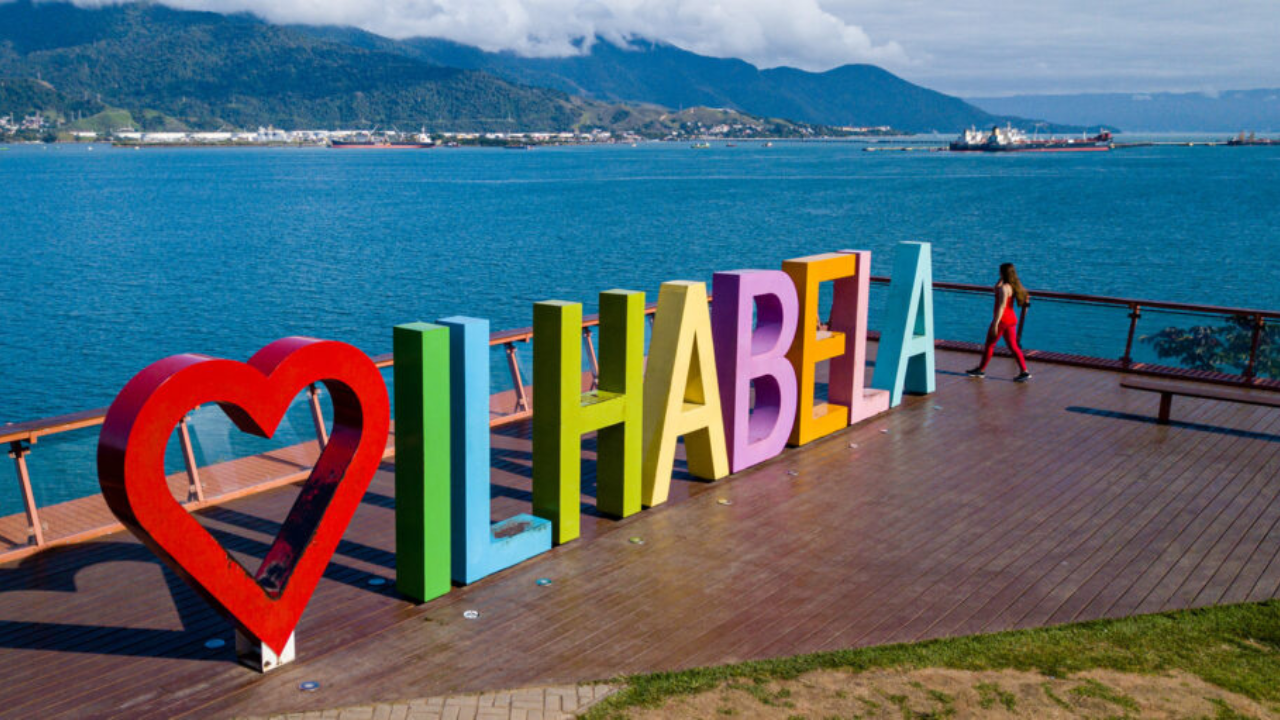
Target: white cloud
(993,47)
(998,47)
(768,33)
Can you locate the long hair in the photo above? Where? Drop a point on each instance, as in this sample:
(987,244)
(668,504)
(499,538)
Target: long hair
(1009,275)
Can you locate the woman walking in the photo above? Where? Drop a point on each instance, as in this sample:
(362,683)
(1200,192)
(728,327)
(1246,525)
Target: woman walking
(1005,324)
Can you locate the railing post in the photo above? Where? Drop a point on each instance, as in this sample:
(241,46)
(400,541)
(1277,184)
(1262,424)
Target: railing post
(1250,369)
(513,364)
(1022,321)
(591,358)
(18,450)
(1135,312)
(194,488)
(317,415)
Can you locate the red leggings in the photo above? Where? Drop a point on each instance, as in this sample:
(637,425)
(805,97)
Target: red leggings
(1009,331)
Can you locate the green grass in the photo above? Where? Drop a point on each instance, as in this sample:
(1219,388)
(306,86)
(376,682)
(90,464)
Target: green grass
(104,122)
(990,694)
(1054,697)
(1223,711)
(1235,647)
(1105,693)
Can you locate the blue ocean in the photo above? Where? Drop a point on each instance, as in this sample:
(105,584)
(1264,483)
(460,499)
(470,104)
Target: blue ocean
(115,258)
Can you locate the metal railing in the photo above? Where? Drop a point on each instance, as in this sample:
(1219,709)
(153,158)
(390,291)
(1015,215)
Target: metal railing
(21,437)
(1256,319)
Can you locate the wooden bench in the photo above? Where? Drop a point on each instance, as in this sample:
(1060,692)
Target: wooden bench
(1207,392)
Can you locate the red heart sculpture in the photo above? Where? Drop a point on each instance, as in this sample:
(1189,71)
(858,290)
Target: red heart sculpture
(255,395)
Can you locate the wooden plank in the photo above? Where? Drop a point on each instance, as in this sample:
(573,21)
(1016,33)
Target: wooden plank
(939,536)
(1111,559)
(1051,582)
(1212,575)
(1073,592)
(1058,509)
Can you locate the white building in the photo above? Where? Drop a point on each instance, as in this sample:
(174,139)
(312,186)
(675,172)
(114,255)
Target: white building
(212,137)
(270,134)
(167,138)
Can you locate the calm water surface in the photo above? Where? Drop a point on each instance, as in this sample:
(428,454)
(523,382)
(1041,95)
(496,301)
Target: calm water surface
(116,258)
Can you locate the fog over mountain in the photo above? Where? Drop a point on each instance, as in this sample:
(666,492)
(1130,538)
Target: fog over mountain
(169,68)
(799,33)
(1228,112)
(986,49)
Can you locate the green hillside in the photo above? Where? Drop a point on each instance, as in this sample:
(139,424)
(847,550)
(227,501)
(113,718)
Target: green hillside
(662,74)
(207,70)
(21,97)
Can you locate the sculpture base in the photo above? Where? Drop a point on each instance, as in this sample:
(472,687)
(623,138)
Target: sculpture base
(258,656)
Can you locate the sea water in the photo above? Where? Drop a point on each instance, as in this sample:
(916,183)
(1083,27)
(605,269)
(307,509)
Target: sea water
(114,258)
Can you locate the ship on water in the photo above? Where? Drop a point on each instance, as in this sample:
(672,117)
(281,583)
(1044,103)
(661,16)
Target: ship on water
(1011,139)
(385,141)
(1242,140)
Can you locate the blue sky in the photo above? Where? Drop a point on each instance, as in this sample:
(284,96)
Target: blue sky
(986,47)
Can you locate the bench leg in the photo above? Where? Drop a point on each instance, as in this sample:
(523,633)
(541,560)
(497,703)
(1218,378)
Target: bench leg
(1166,401)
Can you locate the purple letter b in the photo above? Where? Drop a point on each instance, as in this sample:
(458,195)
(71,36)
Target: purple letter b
(744,357)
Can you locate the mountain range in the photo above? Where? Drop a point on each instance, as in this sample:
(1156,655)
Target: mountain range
(169,68)
(204,69)
(1229,111)
(652,72)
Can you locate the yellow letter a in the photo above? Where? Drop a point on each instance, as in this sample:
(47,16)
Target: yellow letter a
(681,393)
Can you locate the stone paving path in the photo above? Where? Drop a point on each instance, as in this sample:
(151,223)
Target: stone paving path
(545,703)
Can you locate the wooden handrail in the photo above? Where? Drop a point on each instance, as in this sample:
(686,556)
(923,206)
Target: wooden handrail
(31,430)
(1105,300)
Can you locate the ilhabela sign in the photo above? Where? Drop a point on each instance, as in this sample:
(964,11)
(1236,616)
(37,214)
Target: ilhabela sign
(761,333)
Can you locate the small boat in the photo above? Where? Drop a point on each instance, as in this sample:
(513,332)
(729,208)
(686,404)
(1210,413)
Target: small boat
(768,144)
(701,145)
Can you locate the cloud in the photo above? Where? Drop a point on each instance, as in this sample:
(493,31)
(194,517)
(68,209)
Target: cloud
(995,47)
(999,47)
(768,33)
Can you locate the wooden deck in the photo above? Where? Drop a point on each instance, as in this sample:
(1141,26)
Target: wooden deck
(988,505)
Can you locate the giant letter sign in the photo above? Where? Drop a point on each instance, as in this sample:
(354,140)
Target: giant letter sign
(847,383)
(744,357)
(904,360)
(421,353)
(681,396)
(266,605)
(815,420)
(479,549)
(563,413)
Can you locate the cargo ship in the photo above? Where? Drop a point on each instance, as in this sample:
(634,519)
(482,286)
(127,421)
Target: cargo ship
(1242,141)
(1011,139)
(382,142)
